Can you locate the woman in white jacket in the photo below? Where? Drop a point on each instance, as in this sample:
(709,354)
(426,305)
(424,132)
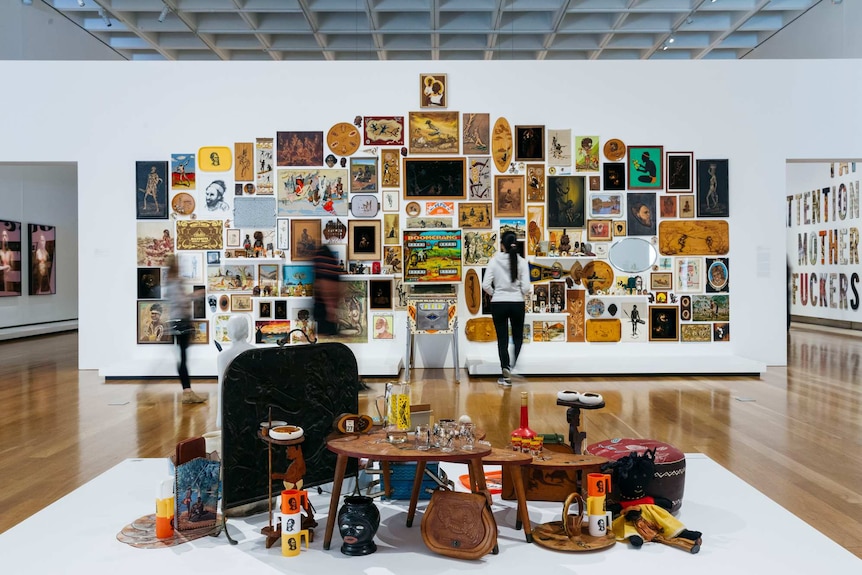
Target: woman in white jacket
(507,281)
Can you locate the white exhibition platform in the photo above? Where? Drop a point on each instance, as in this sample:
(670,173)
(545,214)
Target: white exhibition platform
(744,532)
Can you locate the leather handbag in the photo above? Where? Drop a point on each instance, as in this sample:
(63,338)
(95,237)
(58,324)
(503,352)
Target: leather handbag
(459,525)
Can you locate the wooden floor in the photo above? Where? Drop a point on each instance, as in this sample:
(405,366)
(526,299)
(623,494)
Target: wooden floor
(795,434)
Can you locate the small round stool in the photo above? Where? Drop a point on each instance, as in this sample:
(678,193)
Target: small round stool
(669,479)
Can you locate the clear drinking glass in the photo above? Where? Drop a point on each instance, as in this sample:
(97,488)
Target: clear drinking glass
(467,434)
(422,439)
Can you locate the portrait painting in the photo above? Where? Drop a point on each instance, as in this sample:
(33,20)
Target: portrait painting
(595,183)
(312,192)
(509,196)
(264,309)
(646,167)
(280,309)
(686,206)
(586,153)
(383,130)
(10,258)
(717,275)
(364,239)
(679,168)
(721,331)
(479,178)
(667,206)
(529,143)
(475,215)
(560,147)
(305,236)
(363,175)
(641,213)
(434,133)
(663,323)
(566,201)
(263,162)
(391,168)
(614,176)
(620,228)
(149,283)
(432,90)
(434,178)
(299,148)
(151,183)
(183,171)
(152,322)
(380,294)
(382,323)
(713,193)
(475,133)
(43,272)
(535,182)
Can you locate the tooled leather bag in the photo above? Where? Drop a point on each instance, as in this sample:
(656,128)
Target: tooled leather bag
(459,525)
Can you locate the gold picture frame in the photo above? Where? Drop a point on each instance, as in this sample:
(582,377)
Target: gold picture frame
(363,240)
(509,196)
(305,236)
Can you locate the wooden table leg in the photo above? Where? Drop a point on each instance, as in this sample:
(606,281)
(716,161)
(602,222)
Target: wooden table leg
(387,479)
(340,468)
(517,474)
(414,495)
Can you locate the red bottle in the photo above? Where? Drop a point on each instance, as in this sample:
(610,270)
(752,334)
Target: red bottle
(524,431)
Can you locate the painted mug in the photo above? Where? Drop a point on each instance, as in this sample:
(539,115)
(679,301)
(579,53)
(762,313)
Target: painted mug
(598,484)
(293,501)
(291,543)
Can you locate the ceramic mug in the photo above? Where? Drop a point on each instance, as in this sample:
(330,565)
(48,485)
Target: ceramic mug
(598,484)
(599,525)
(293,501)
(595,505)
(290,523)
(292,542)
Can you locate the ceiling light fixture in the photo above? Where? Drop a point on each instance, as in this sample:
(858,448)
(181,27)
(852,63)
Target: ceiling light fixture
(27,2)
(164,13)
(81,3)
(671,40)
(104,16)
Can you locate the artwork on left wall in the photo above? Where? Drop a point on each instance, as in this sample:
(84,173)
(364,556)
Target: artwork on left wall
(10,258)
(43,274)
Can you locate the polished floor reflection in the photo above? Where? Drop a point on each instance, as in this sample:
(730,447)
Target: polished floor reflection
(795,434)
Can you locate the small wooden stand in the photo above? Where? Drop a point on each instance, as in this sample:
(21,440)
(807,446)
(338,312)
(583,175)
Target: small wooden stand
(577,436)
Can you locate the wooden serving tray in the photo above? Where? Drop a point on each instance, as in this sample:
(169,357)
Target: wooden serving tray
(693,237)
(553,536)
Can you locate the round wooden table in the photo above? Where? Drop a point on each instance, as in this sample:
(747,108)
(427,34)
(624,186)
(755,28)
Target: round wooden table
(374,446)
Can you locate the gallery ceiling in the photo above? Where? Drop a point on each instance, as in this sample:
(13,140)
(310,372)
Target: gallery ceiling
(432,29)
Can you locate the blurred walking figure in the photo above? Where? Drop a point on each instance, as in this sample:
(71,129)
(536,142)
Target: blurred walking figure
(327,290)
(181,326)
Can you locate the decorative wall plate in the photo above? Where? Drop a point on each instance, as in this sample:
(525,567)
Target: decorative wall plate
(501,144)
(473,291)
(597,277)
(595,307)
(215,159)
(413,209)
(183,204)
(614,150)
(343,138)
(693,237)
(604,330)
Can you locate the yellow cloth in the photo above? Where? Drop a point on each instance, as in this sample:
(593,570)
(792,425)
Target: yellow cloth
(665,523)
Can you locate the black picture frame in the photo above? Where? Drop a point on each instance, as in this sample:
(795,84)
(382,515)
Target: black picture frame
(149,283)
(265,309)
(713,189)
(43,259)
(10,258)
(614,176)
(280,309)
(380,294)
(679,172)
(529,143)
(434,179)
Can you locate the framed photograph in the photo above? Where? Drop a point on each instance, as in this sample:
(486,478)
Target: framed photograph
(620,228)
(364,239)
(646,167)
(240,302)
(264,309)
(382,325)
(680,172)
(305,238)
(606,205)
(689,275)
(151,183)
(10,258)
(712,189)
(434,179)
(299,149)
(434,133)
(667,206)
(614,175)
(686,206)
(586,153)
(432,91)
(641,214)
(663,323)
(363,175)
(391,200)
(152,318)
(479,178)
(232,239)
(380,294)
(661,281)
(529,143)
(475,133)
(391,171)
(599,230)
(43,272)
(383,130)
(280,309)
(201,333)
(566,201)
(509,196)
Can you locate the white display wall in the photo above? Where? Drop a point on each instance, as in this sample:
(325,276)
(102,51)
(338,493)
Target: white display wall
(106,116)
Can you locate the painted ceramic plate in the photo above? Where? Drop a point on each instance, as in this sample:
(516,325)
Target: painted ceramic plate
(343,138)
(595,307)
(614,150)
(413,209)
(183,204)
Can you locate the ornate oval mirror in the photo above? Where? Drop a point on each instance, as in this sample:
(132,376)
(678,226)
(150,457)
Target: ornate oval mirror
(633,255)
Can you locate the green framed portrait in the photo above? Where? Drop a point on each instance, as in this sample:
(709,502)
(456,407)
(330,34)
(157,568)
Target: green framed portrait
(646,167)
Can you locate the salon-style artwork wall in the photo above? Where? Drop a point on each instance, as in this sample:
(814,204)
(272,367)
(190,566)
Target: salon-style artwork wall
(628,242)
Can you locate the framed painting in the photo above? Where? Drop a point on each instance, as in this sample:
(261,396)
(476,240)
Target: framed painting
(529,143)
(586,153)
(200,334)
(232,239)
(645,167)
(263,157)
(479,178)
(661,281)
(606,205)
(299,149)
(717,275)
(264,310)
(663,323)
(476,215)
(434,133)
(560,147)
(721,331)
(667,206)
(434,179)
(382,323)
(599,230)
(151,183)
(152,318)
(710,307)
(614,175)
(240,302)
(363,239)
(509,196)
(43,272)
(392,225)
(535,182)
(149,283)
(233,277)
(712,189)
(679,172)
(689,275)
(280,309)
(363,175)
(380,294)
(695,332)
(686,206)
(641,213)
(535,227)
(183,171)
(391,200)
(475,133)
(10,258)
(392,260)
(271,331)
(191,266)
(267,279)
(300,192)
(304,239)
(391,171)
(566,201)
(620,228)
(432,90)
(243,153)
(297,280)
(383,130)
(595,183)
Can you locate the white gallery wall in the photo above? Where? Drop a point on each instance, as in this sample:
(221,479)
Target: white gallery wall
(105,116)
(827,30)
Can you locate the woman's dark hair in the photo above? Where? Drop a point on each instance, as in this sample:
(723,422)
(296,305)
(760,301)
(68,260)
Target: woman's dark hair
(510,246)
